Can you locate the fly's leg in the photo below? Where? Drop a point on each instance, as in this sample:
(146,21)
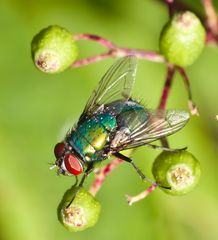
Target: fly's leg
(140,173)
(165,148)
(129,160)
(76,182)
(87,172)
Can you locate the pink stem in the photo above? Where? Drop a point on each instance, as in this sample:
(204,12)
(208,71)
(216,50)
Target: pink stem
(102,173)
(92,59)
(142,195)
(91,37)
(120,52)
(192,106)
(167,86)
(114,51)
(211,38)
(139,53)
(170,6)
(212,19)
(165,94)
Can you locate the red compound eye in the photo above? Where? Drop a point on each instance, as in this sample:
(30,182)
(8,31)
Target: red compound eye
(59,149)
(72,164)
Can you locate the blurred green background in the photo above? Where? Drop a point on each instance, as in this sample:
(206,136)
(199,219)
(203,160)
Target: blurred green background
(36,109)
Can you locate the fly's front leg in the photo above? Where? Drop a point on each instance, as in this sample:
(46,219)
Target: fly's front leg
(87,172)
(165,148)
(140,173)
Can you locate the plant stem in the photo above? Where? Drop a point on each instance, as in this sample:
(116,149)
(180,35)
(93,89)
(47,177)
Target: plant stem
(192,106)
(142,195)
(167,86)
(139,53)
(92,59)
(170,7)
(91,37)
(102,173)
(114,51)
(165,95)
(212,19)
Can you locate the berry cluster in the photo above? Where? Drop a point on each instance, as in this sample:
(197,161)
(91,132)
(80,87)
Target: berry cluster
(182,39)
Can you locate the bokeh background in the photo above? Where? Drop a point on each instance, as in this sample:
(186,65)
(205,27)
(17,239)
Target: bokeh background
(36,109)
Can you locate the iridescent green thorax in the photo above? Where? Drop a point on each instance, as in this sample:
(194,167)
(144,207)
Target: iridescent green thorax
(133,114)
(91,139)
(128,114)
(92,135)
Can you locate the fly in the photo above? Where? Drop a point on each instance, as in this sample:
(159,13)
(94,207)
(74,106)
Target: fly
(111,122)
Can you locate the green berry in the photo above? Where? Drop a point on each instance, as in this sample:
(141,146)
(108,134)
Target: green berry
(82,213)
(182,39)
(53,49)
(178,170)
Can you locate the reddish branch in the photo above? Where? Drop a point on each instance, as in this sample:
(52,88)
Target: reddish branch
(142,195)
(212,19)
(114,51)
(165,94)
(167,86)
(101,174)
(170,6)
(91,37)
(92,59)
(192,106)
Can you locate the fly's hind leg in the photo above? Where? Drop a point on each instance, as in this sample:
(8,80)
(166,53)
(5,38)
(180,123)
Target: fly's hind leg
(87,172)
(129,160)
(140,173)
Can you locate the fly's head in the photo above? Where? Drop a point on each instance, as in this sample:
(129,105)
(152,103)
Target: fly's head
(66,160)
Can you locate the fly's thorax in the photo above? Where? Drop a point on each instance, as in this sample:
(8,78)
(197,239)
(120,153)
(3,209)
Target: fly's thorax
(129,114)
(92,135)
(116,107)
(133,115)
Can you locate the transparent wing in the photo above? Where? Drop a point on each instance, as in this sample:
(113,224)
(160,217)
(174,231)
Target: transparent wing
(116,84)
(158,124)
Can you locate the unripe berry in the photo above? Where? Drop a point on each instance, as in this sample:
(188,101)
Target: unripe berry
(82,213)
(182,39)
(178,170)
(53,49)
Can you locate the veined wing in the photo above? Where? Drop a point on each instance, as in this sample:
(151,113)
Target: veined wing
(157,125)
(116,84)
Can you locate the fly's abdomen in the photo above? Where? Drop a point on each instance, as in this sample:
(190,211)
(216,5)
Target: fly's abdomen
(92,135)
